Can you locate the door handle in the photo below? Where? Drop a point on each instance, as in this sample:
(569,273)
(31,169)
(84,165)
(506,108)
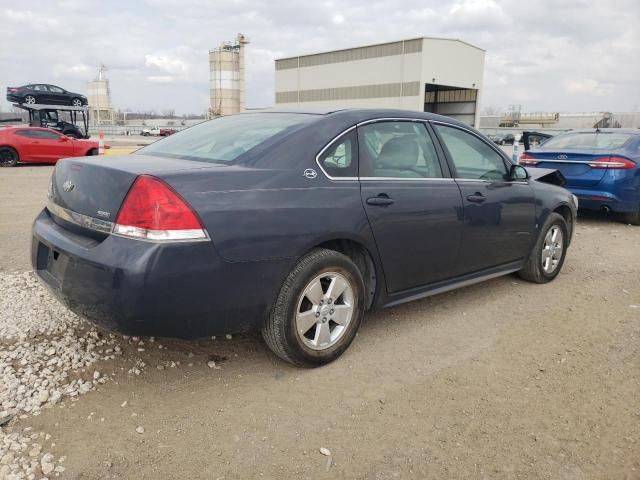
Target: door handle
(476,198)
(380,200)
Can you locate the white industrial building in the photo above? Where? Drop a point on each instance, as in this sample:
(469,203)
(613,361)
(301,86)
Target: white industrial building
(439,75)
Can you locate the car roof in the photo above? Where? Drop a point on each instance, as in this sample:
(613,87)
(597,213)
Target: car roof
(357,115)
(632,131)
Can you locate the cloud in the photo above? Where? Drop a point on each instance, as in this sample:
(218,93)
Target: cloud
(575,55)
(166,63)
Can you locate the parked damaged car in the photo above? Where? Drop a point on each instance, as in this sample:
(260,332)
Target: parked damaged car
(294,224)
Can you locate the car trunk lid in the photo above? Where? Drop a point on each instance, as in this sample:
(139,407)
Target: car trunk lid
(579,167)
(95,187)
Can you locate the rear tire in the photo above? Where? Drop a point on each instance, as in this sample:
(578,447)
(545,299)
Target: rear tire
(30,100)
(309,325)
(632,218)
(8,157)
(547,257)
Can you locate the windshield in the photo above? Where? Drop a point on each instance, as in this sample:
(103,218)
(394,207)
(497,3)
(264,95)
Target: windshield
(588,141)
(225,139)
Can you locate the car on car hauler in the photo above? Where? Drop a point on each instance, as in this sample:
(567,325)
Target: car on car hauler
(294,224)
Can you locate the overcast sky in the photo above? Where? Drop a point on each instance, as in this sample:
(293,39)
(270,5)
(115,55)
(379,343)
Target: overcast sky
(549,55)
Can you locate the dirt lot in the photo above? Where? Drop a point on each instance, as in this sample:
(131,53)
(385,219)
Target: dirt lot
(504,379)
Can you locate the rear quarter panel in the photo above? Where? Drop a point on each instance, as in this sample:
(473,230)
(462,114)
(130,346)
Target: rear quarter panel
(282,216)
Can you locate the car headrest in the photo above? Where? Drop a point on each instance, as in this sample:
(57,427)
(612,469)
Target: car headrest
(399,152)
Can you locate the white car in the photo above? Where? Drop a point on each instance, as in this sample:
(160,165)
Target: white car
(146,132)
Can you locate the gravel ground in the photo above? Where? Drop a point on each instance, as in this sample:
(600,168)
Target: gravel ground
(504,379)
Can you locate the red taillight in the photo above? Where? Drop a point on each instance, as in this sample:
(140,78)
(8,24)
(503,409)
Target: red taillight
(612,163)
(152,210)
(528,160)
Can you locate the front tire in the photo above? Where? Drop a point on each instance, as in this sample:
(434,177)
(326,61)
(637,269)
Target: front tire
(318,310)
(76,102)
(8,157)
(548,254)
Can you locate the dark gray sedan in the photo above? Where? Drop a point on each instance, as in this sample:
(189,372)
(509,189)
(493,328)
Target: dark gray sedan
(294,224)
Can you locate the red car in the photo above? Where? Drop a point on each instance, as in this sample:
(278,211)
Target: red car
(40,145)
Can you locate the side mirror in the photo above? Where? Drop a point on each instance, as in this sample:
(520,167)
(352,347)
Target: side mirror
(518,172)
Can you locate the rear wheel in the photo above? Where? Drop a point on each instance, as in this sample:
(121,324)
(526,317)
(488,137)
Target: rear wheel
(318,311)
(8,157)
(633,217)
(30,100)
(547,257)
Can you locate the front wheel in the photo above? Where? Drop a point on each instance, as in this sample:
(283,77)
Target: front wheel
(76,102)
(548,254)
(318,310)
(8,157)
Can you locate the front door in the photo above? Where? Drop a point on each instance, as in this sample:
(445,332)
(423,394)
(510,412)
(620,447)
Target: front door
(499,214)
(413,206)
(49,146)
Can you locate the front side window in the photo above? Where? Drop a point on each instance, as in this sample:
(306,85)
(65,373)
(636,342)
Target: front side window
(48,135)
(339,159)
(43,134)
(397,149)
(473,158)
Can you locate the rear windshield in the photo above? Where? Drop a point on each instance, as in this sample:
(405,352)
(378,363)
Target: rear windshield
(588,141)
(225,139)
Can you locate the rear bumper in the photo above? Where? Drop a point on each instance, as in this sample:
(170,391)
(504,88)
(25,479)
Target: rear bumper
(14,98)
(596,199)
(180,290)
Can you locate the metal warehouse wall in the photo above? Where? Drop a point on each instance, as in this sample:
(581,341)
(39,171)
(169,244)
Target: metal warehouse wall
(389,75)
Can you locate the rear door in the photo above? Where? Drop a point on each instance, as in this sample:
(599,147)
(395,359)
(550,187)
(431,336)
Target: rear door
(412,204)
(499,214)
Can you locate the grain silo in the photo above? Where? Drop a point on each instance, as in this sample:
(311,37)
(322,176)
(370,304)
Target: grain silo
(226,66)
(99,98)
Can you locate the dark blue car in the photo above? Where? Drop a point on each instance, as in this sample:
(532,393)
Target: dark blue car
(294,224)
(601,167)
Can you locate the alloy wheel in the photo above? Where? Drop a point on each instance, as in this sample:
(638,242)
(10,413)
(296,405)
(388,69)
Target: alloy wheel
(552,249)
(30,100)
(324,310)
(76,102)
(7,157)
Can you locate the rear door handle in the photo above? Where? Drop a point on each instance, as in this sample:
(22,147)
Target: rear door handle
(476,198)
(380,200)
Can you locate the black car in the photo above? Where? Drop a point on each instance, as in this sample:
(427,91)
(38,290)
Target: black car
(294,224)
(503,139)
(43,94)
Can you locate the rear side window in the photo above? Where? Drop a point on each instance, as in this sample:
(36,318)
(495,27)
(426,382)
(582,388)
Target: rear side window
(397,150)
(339,159)
(588,141)
(225,139)
(473,158)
